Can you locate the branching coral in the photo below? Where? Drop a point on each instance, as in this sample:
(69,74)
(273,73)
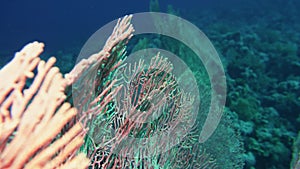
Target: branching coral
(32,119)
(29,120)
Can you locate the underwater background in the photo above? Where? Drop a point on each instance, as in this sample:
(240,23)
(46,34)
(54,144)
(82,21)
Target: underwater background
(257,41)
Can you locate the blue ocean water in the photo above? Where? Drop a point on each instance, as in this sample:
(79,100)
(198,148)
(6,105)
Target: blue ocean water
(60,24)
(258,42)
(56,23)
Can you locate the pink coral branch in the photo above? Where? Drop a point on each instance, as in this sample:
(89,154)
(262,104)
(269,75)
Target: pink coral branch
(31,119)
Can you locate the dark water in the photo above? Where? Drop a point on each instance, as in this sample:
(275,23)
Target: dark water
(58,24)
(68,23)
(258,42)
